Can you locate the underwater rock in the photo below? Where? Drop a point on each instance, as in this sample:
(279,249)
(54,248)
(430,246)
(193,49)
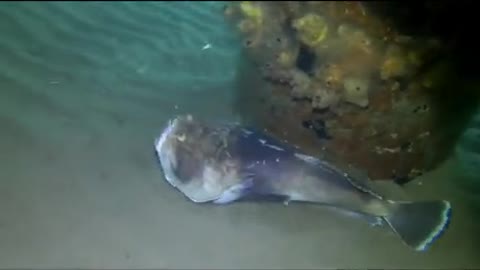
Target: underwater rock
(305,60)
(318,126)
(401,180)
(371,85)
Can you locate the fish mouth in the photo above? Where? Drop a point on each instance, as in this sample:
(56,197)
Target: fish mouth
(161,140)
(166,153)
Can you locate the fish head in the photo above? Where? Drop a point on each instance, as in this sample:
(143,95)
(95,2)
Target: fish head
(188,153)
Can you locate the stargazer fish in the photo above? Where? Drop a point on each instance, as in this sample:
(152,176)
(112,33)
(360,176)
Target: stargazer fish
(223,163)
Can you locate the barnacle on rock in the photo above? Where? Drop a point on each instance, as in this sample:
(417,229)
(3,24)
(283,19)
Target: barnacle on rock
(355,38)
(251,21)
(324,98)
(312,29)
(287,58)
(246,26)
(252,11)
(300,84)
(331,75)
(395,63)
(356,91)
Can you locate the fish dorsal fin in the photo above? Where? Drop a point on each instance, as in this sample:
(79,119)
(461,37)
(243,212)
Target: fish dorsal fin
(356,178)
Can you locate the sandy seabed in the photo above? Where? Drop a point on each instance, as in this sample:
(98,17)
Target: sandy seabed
(84,90)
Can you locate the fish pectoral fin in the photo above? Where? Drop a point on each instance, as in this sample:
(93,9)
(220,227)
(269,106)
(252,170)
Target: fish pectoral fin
(234,192)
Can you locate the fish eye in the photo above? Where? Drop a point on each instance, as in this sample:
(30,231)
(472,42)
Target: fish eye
(181,137)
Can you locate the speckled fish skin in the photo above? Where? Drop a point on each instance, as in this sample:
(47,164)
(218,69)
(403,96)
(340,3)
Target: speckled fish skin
(222,163)
(280,169)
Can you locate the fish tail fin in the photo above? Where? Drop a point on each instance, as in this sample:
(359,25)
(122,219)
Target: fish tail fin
(419,224)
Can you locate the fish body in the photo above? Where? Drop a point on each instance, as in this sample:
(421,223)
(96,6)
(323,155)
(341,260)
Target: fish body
(223,163)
